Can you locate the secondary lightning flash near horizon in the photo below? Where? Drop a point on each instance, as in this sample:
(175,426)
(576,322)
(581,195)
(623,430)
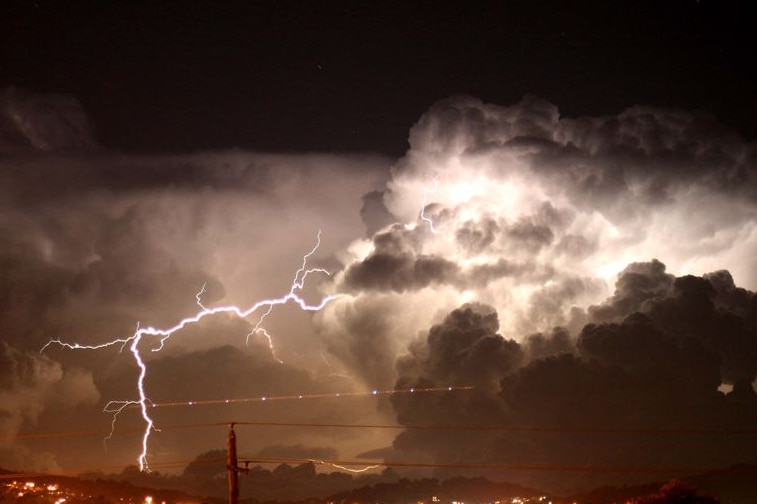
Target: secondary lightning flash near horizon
(116,407)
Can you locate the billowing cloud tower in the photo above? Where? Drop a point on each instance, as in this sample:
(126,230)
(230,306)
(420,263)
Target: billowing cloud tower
(574,272)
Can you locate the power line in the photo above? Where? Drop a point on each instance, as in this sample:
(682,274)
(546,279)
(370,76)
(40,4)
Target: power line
(324,395)
(87,433)
(497,467)
(258,399)
(490,428)
(478,466)
(84,470)
(509,428)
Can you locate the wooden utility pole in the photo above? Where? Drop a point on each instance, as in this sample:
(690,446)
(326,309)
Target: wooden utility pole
(233,467)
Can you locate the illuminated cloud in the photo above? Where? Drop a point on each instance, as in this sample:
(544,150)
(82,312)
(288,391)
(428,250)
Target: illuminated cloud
(298,452)
(536,214)
(30,384)
(539,218)
(94,243)
(548,268)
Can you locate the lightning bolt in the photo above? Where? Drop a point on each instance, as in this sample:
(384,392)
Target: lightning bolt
(198,296)
(426,192)
(333,464)
(269,339)
(133,341)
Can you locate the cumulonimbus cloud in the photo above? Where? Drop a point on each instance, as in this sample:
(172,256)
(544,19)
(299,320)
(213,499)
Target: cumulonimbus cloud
(531,221)
(565,267)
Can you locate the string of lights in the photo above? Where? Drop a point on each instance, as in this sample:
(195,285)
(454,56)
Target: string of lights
(290,397)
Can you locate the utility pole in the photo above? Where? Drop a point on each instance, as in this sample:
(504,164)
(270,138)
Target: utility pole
(232,464)
(233,467)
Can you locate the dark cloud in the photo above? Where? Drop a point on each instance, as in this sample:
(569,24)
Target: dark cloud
(475,237)
(398,264)
(550,305)
(540,345)
(464,349)
(690,312)
(374,214)
(650,153)
(576,246)
(464,123)
(30,384)
(481,274)
(299,481)
(226,370)
(657,386)
(637,284)
(709,310)
(48,123)
(382,271)
(362,339)
(298,452)
(643,387)
(639,348)
(207,475)
(395,264)
(529,235)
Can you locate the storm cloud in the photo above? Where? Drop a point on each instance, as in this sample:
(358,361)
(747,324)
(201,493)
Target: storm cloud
(643,390)
(29,385)
(589,277)
(94,242)
(552,215)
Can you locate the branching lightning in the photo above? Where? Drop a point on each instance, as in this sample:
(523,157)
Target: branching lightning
(269,339)
(162,335)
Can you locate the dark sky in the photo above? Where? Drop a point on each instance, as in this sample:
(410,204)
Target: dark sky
(354,76)
(550,210)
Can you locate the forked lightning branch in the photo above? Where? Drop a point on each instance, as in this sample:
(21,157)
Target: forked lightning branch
(260,309)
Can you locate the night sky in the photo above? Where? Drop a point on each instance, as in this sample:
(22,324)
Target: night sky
(343,76)
(549,208)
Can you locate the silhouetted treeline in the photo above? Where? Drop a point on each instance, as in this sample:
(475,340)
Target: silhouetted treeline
(470,490)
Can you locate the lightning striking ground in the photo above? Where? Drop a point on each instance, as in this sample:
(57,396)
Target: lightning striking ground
(143,403)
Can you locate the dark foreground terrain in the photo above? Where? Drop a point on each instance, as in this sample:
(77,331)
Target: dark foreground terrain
(735,485)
